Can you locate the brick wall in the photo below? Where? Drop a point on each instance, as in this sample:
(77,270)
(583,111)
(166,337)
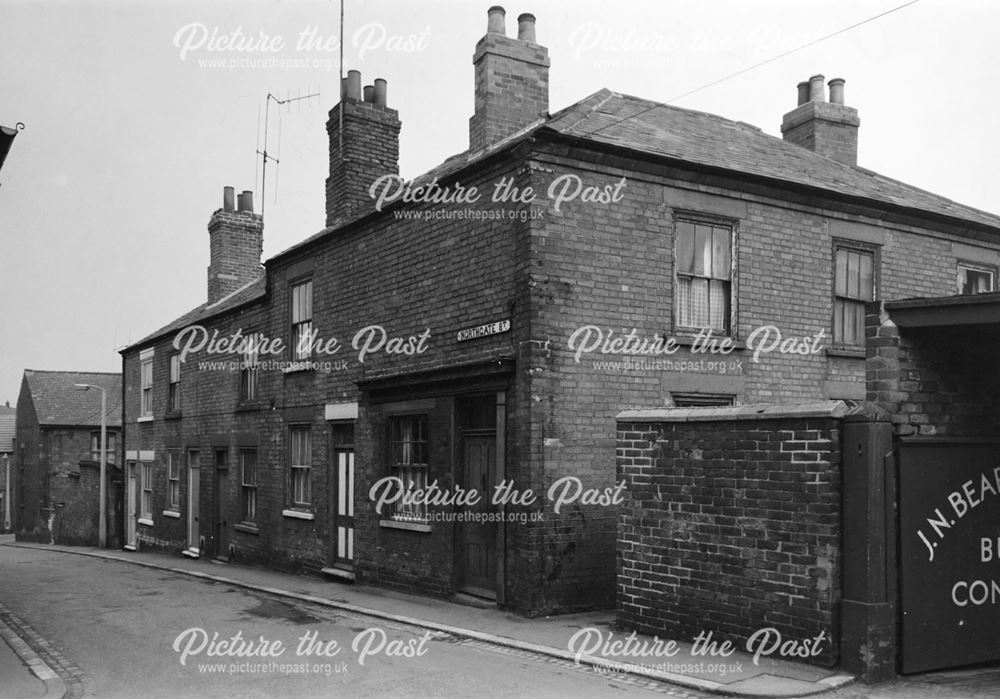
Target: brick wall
(606,265)
(405,276)
(511,88)
(731,523)
(236,239)
(611,266)
(934,381)
(366,148)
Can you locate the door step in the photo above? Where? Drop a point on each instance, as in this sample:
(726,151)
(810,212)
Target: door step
(339,573)
(473,601)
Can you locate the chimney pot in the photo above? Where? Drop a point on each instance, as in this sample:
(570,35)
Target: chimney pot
(354,85)
(827,128)
(526,28)
(803,92)
(380,90)
(817,91)
(227,198)
(837,90)
(245,201)
(369,93)
(496,21)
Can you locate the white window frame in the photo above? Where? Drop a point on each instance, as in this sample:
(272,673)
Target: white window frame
(301,313)
(248,487)
(173,481)
(964,266)
(146,384)
(723,273)
(409,460)
(249,368)
(146,491)
(174,384)
(300,466)
(95,446)
(846,296)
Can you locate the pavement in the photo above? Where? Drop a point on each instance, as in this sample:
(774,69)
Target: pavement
(734,674)
(23,672)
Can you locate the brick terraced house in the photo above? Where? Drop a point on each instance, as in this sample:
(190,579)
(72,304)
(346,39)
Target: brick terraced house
(57,458)
(668,257)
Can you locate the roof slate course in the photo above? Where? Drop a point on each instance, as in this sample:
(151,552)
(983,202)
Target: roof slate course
(57,402)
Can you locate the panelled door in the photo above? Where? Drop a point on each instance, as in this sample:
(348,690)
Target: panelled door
(194,488)
(131,513)
(477,548)
(341,504)
(221,509)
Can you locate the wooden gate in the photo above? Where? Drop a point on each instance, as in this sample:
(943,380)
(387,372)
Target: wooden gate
(949,530)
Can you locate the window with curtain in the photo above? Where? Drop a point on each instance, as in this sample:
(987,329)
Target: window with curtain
(854,285)
(703,255)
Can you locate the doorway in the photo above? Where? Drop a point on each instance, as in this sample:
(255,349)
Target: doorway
(341,535)
(221,508)
(477,534)
(193,486)
(131,484)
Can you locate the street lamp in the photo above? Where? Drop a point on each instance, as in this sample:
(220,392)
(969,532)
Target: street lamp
(102,533)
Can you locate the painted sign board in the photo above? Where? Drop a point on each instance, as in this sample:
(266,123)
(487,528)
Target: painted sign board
(949,516)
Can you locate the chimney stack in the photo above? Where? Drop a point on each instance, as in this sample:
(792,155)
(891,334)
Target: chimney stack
(236,240)
(828,128)
(364,145)
(512,80)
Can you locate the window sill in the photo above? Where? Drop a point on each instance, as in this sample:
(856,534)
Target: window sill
(689,337)
(850,352)
(173,415)
(409,526)
(299,366)
(145,521)
(172,513)
(298,514)
(247,528)
(145,418)
(249,407)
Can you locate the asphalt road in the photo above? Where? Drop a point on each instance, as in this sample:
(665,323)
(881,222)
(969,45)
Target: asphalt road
(141,632)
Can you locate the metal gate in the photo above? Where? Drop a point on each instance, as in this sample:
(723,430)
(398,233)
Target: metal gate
(949,530)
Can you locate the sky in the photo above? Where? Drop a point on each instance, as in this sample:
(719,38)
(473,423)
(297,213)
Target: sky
(137,114)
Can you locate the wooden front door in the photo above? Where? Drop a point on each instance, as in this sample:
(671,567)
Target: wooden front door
(131,513)
(194,487)
(477,540)
(341,535)
(221,509)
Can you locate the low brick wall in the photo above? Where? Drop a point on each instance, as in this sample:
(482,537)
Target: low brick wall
(732,523)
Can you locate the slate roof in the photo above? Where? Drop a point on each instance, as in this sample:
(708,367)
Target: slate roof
(707,140)
(58,403)
(679,135)
(246,294)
